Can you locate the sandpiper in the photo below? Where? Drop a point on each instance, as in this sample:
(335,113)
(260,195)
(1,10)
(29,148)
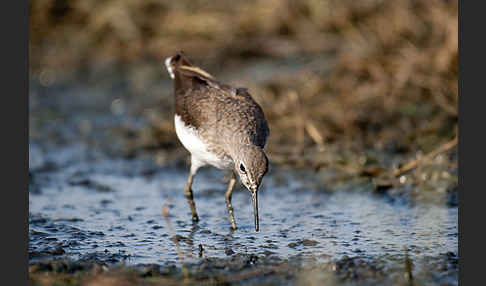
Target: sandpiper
(220,126)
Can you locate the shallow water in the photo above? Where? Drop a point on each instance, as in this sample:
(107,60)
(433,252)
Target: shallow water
(96,193)
(114,207)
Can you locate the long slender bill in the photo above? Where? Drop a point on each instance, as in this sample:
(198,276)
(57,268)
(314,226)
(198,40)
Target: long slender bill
(254,197)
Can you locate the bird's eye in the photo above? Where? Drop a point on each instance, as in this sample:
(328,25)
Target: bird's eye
(242,168)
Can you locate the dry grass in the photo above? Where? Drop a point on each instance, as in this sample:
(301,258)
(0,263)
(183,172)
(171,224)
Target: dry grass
(394,83)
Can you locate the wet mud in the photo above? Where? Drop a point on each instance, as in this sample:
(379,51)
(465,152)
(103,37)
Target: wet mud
(96,194)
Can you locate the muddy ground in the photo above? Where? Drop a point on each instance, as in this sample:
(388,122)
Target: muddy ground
(102,165)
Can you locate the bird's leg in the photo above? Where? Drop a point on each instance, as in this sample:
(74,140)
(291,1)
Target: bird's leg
(189,196)
(228,194)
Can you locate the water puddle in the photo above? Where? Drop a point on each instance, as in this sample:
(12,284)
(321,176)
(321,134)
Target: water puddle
(114,207)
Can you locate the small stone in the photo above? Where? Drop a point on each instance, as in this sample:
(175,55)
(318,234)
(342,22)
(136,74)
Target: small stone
(229,251)
(292,245)
(309,242)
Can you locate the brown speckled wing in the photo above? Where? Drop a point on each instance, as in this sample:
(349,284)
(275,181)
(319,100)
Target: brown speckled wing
(220,113)
(253,117)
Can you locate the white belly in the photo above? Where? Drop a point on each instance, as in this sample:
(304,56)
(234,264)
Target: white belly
(199,151)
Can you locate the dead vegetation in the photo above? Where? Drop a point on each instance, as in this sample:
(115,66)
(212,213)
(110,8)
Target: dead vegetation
(393,86)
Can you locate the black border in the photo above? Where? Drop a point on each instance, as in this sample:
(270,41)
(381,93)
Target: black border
(14,116)
(471,216)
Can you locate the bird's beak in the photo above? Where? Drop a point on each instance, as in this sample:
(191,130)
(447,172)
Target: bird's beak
(254,197)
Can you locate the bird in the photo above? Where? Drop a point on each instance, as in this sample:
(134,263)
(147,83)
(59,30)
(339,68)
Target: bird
(221,126)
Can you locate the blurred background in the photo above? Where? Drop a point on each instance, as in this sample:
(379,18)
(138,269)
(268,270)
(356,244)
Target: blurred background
(359,95)
(335,78)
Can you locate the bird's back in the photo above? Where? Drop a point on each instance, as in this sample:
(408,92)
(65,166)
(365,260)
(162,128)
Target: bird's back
(221,114)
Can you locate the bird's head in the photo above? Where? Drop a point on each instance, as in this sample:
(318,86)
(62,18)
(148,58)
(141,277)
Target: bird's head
(251,164)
